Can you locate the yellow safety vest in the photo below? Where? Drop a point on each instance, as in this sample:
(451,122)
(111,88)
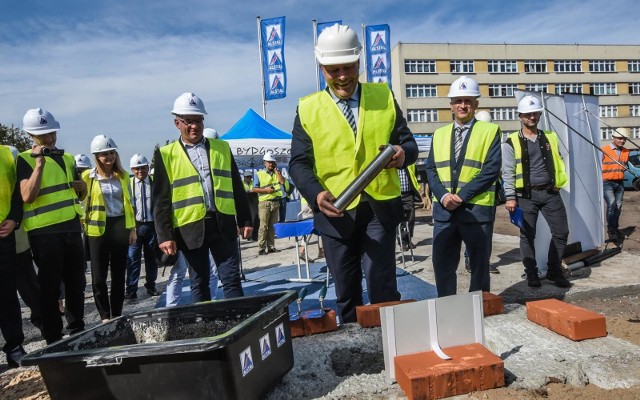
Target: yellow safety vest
(7,181)
(411,171)
(187,194)
(560,179)
(265,179)
(339,157)
(482,136)
(96,217)
(57,201)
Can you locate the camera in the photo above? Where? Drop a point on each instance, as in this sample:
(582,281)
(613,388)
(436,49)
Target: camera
(48,152)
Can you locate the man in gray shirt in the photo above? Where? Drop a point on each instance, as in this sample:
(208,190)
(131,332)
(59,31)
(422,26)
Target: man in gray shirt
(533,173)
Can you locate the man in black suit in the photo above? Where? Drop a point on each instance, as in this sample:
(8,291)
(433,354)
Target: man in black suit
(336,134)
(462,169)
(197,194)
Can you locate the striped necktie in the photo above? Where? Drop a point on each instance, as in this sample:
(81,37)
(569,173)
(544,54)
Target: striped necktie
(143,202)
(348,114)
(458,142)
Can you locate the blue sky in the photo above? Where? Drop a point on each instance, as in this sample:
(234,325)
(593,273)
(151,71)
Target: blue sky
(115,67)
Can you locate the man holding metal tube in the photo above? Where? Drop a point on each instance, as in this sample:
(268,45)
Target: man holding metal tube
(337,133)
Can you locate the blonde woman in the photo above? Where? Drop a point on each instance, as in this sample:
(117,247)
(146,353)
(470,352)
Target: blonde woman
(110,225)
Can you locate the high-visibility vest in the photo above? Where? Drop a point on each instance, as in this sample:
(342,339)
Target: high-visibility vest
(560,178)
(266,179)
(612,171)
(411,172)
(187,194)
(247,186)
(96,211)
(57,201)
(483,134)
(7,181)
(339,157)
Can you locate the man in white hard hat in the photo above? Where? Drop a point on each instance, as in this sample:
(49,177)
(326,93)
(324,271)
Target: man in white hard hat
(614,155)
(337,132)
(533,174)
(198,196)
(271,187)
(462,169)
(51,191)
(140,186)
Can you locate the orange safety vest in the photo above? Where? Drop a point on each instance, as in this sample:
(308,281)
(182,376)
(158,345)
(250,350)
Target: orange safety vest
(612,171)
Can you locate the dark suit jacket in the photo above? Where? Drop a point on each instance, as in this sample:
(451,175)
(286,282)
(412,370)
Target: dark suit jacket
(301,168)
(193,233)
(488,176)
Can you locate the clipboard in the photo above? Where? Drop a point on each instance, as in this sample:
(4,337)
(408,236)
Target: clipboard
(517,218)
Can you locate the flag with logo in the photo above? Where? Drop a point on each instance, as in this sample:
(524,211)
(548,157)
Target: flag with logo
(319,28)
(378,53)
(274,70)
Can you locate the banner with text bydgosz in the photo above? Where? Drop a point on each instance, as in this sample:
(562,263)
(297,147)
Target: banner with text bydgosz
(319,28)
(275,71)
(378,53)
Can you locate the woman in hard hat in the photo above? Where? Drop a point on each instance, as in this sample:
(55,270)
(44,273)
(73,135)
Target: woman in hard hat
(110,225)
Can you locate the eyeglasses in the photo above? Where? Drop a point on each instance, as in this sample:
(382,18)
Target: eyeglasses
(190,122)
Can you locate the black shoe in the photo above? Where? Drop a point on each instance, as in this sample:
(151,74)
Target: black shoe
(533,280)
(14,357)
(467,264)
(559,279)
(493,269)
(262,253)
(131,296)
(152,292)
(274,250)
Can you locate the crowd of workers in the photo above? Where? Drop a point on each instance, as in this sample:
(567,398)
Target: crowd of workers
(192,212)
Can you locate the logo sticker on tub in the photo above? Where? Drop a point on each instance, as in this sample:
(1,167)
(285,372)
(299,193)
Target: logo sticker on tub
(246,361)
(265,346)
(280,336)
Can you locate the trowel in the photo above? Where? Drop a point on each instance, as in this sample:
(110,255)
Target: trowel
(301,295)
(317,313)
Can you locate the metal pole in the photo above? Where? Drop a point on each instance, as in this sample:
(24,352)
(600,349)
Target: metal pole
(315,42)
(264,100)
(599,119)
(364,43)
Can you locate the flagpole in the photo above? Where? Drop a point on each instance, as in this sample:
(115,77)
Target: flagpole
(366,56)
(315,42)
(264,101)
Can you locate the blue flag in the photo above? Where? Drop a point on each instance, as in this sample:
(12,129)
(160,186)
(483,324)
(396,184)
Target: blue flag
(319,28)
(378,53)
(274,69)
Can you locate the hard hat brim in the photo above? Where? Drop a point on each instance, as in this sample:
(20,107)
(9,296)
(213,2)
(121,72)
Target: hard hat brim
(103,150)
(38,132)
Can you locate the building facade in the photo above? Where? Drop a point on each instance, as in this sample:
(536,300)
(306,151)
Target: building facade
(423,72)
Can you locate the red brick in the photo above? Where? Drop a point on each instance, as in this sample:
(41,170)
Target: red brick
(426,376)
(309,326)
(566,319)
(492,304)
(369,316)
(297,328)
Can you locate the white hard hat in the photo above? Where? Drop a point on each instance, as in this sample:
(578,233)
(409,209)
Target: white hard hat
(248,172)
(464,87)
(210,133)
(82,161)
(138,160)
(338,44)
(484,116)
(268,157)
(102,143)
(529,104)
(38,121)
(13,151)
(621,133)
(188,104)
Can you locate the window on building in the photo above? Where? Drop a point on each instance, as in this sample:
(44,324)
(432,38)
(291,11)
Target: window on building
(422,115)
(503,114)
(634,110)
(635,132)
(634,65)
(600,89)
(567,66)
(568,88)
(634,88)
(608,111)
(504,90)
(537,87)
(461,66)
(602,66)
(415,91)
(535,66)
(605,133)
(419,66)
(503,67)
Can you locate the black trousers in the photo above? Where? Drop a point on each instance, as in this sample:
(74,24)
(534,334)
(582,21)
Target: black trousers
(370,249)
(109,253)
(60,259)
(10,315)
(408,215)
(28,285)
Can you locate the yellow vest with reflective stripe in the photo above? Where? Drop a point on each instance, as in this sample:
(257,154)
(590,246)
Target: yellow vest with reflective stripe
(560,180)
(57,201)
(187,194)
(411,171)
(482,136)
(7,181)
(265,179)
(339,157)
(96,211)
